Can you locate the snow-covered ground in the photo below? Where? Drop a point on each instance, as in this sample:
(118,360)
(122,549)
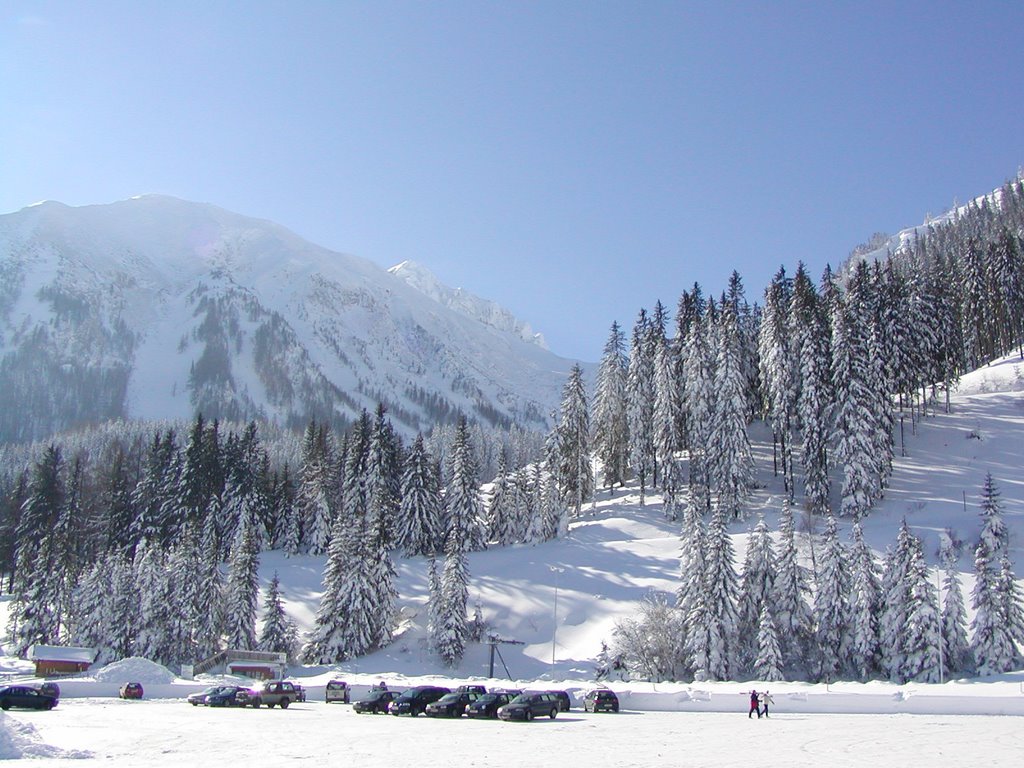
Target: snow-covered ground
(171,733)
(561,600)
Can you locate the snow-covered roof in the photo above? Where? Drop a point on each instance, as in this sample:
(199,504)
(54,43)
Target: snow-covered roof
(61,653)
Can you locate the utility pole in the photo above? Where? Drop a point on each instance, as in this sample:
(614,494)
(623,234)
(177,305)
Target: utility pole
(554,629)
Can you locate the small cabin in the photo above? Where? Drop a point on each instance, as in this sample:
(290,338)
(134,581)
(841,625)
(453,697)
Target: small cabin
(57,660)
(255,670)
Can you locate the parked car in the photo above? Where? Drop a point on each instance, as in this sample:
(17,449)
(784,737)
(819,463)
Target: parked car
(337,690)
(248,697)
(564,700)
(300,692)
(527,706)
(488,704)
(471,689)
(451,704)
(601,700)
(414,700)
(377,702)
(50,689)
(273,693)
(224,696)
(130,691)
(25,697)
(195,699)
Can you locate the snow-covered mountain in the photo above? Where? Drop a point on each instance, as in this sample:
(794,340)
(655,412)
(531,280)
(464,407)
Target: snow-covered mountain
(157,307)
(474,307)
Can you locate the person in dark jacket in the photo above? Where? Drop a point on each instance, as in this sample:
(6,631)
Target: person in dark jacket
(755,705)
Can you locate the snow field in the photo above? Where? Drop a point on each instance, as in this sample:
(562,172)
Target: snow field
(170,733)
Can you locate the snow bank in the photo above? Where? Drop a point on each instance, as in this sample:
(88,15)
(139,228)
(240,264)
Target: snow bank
(19,740)
(135,670)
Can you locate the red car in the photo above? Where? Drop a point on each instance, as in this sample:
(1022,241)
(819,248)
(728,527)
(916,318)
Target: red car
(131,691)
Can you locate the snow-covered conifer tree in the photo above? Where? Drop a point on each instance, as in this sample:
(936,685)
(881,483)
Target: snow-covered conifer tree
(831,609)
(992,641)
(699,406)
(640,403)
(611,430)
(864,607)
(279,633)
(720,592)
(956,651)
(778,362)
(793,617)
(732,467)
(768,662)
(242,592)
(922,641)
(419,512)
(755,593)
(575,475)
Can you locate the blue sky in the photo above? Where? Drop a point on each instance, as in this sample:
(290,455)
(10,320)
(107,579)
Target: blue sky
(574,161)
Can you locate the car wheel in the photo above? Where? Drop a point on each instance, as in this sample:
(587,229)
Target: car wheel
(50,704)
(285,703)
(529,714)
(615,708)
(553,713)
(5,704)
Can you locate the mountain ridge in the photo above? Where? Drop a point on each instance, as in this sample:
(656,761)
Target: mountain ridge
(189,307)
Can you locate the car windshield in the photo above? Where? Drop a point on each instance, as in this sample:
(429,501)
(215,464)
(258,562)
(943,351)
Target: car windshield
(487,698)
(448,698)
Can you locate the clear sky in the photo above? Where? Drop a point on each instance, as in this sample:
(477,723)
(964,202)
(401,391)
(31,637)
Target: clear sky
(573,160)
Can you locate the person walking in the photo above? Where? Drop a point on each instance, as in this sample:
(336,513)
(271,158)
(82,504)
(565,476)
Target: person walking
(755,705)
(764,699)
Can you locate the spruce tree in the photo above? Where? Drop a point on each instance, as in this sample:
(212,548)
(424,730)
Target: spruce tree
(732,464)
(864,607)
(575,475)
(922,632)
(956,651)
(419,512)
(242,592)
(611,429)
(640,403)
(992,640)
(768,662)
(793,617)
(279,633)
(758,585)
(831,609)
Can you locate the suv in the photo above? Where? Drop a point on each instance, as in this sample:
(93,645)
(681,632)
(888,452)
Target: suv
(527,706)
(451,704)
(337,690)
(272,693)
(601,699)
(415,700)
(488,704)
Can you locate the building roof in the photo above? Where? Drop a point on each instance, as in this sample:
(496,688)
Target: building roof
(61,653)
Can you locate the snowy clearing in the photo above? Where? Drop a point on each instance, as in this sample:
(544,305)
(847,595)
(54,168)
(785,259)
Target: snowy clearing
(170,733)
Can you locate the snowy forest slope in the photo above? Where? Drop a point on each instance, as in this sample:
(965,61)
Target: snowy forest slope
(619,552)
